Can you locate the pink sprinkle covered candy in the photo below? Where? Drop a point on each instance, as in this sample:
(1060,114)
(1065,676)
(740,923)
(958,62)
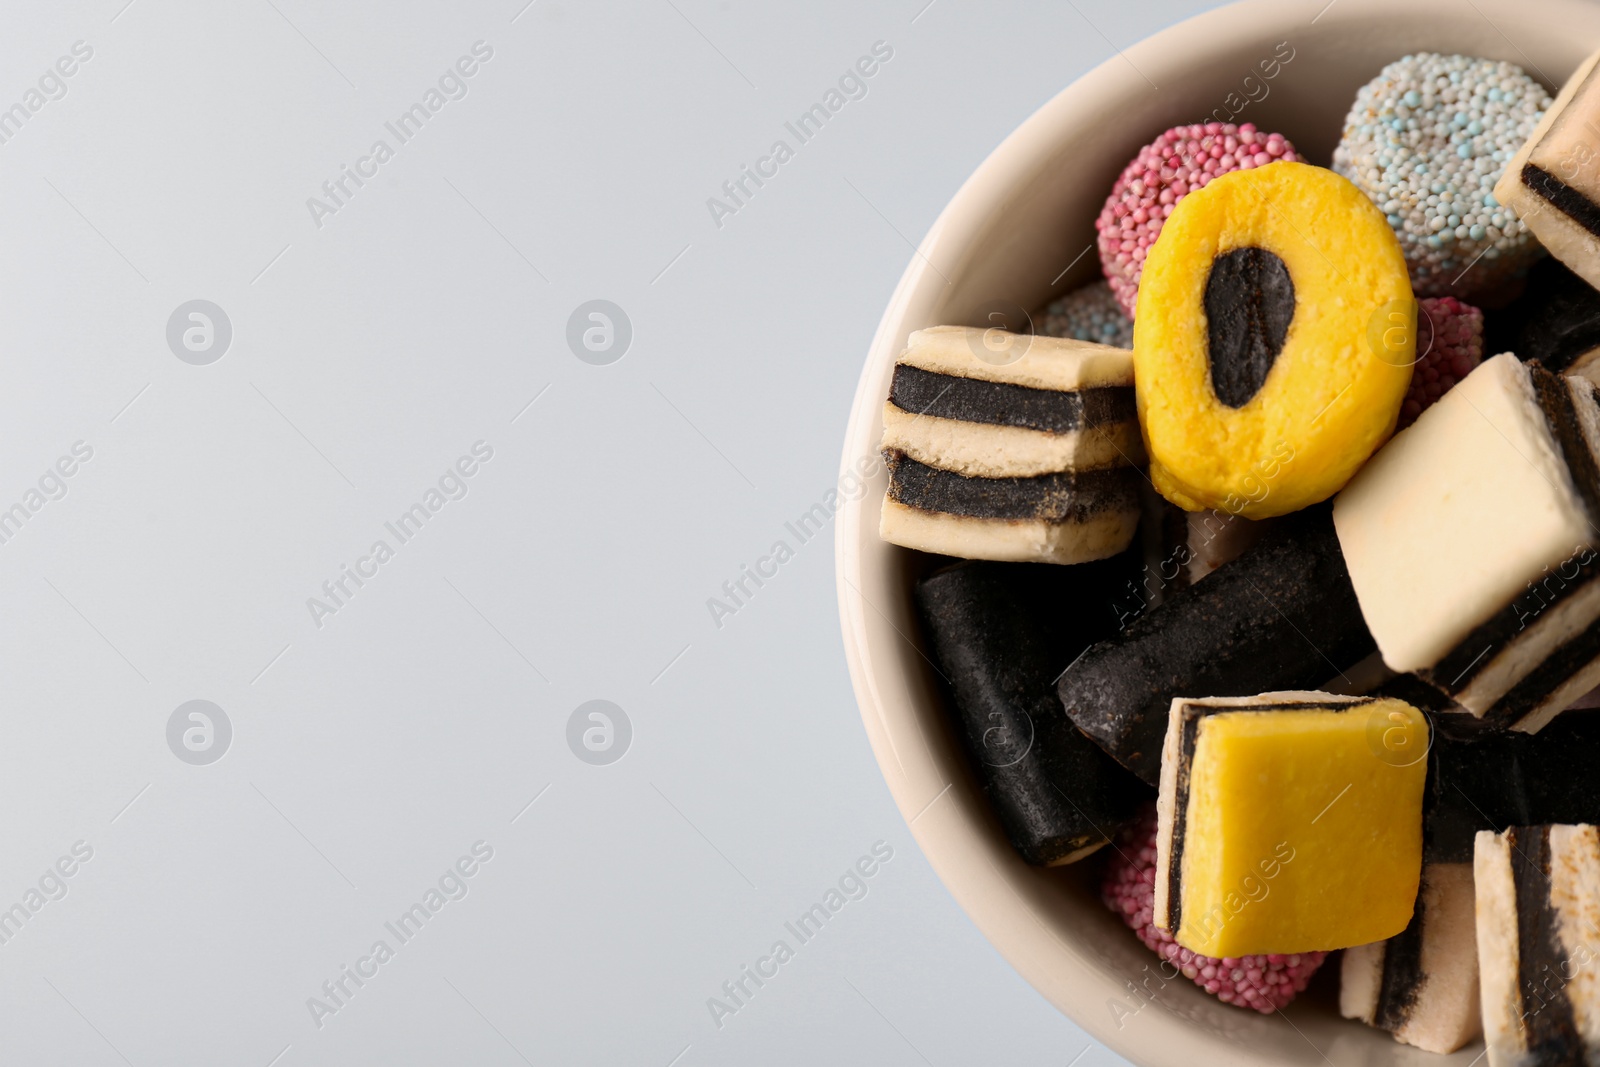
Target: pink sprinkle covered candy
(1265,983)
(1456,348)
(1178,162)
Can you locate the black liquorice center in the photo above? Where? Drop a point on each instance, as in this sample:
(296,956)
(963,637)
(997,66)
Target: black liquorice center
(1249,302)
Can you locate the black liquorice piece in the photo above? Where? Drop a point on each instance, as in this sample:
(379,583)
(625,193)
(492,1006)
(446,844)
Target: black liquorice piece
(1000,634)
(1556,320)
(1510,779)
(1281,616)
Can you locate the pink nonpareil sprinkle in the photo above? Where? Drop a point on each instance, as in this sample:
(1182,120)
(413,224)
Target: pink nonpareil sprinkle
(1450,334)
(1178,162)
(1265,983)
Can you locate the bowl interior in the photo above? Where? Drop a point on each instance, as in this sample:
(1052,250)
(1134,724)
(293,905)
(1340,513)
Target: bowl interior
(1019,231)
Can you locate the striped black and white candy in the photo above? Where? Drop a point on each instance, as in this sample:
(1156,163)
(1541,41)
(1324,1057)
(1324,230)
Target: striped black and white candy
(1470,541)
(1009,447)
(1538,929)
(1065,517)
(1422,985)
(990,404)
(1548,184)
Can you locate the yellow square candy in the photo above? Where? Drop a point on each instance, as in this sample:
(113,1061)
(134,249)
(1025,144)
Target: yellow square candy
(1290,822)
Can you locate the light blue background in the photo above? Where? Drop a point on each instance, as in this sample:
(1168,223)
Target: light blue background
(368,354)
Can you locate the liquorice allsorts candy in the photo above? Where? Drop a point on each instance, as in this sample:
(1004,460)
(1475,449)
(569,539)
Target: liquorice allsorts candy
(1281,616)
(1538,899)
(1553,182)
(1468,540)
(1421,985)
(1010,447)
(1274,341)
(1180,161)
(1000,633)
(1290,821)
(991,404)
(1427,139)
(1066,517)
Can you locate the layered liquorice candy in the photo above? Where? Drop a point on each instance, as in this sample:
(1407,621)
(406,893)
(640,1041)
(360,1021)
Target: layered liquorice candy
(1538,901)
(1289,822)
(1000,633)
(1553,182)
(1469,537)
(1007,447)
(1069,516)
(1422,984)
(991,404)
(1270,366)
(1281,616)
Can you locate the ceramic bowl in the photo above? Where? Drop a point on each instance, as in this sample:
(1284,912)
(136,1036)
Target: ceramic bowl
(1020,231)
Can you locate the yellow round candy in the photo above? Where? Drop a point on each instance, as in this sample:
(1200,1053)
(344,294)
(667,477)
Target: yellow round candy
(1274,419)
